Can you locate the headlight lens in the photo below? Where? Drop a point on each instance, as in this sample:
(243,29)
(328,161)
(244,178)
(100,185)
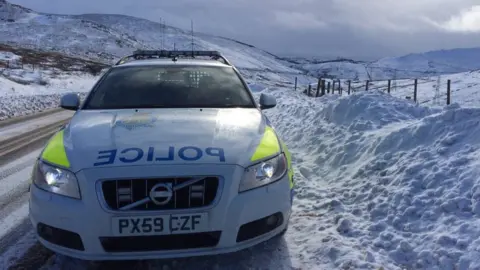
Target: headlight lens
(55,180)
(264,173)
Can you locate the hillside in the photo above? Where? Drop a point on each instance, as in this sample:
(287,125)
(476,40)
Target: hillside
(100,38)
(105,38)
(408,66)
(108,37)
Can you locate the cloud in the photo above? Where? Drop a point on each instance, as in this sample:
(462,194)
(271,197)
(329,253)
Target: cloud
(467,21)
(298,20)
(351,28)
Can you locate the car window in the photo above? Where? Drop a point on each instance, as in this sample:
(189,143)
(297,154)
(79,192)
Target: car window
(169,87)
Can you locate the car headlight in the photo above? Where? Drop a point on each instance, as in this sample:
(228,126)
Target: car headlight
(264,173)
(55,180)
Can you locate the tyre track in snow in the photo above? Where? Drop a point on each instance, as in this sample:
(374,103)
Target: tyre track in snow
(16,232)
(20,143)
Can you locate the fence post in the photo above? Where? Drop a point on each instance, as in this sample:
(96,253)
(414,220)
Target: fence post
(333,87)
(328,88)
(323,87)
(366,85)
(389,85)
(295,83)
(318,87)
(309,89)
(415,84)
(448,92)
(349,86)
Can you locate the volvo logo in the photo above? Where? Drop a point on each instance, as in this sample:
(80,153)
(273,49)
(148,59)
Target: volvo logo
(161,194)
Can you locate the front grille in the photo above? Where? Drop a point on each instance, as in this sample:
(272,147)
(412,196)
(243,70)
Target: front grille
(121,193)
(160,242)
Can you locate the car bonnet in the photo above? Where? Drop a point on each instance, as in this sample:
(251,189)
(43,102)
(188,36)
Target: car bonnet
(112,138)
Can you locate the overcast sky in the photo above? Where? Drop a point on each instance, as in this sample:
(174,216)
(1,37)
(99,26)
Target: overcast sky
(350,28)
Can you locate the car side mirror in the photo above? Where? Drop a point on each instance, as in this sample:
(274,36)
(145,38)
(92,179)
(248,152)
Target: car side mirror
(267,101)
(70,101)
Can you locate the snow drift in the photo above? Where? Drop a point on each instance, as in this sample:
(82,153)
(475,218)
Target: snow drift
(382,182)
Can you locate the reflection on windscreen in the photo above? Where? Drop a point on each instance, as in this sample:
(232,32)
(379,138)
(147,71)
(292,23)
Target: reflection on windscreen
(170,87)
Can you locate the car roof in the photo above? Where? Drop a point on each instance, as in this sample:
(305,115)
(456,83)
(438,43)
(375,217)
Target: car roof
(170,62)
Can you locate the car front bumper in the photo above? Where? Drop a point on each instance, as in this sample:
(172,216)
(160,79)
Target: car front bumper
(83,228)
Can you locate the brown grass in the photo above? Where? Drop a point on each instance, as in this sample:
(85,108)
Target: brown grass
(45,59)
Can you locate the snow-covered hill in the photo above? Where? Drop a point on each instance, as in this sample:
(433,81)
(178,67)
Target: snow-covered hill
(408,66)
(339,68)
(108,37)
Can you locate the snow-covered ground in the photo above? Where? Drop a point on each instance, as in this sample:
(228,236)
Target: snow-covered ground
(38,90)
(26,90)
(380,181)
(464,88)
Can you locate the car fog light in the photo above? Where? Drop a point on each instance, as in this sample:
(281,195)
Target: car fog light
(272,220)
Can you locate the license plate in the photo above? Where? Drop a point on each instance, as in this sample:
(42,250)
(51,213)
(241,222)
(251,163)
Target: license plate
(160,224)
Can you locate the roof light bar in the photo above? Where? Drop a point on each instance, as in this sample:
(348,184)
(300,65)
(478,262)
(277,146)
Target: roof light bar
(139,54)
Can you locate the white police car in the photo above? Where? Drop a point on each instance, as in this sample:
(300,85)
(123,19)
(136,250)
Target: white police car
(168,156)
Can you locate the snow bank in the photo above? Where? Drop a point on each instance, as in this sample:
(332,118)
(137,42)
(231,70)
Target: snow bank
(382,182)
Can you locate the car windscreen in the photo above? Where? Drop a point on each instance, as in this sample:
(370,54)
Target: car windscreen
(170,87)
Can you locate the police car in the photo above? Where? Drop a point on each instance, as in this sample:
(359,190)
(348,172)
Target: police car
(168,156)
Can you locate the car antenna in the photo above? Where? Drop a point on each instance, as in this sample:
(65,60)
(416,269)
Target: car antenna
(191,24)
